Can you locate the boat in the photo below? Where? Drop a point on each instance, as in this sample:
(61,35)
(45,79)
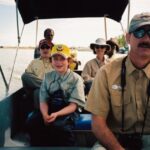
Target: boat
(13,107)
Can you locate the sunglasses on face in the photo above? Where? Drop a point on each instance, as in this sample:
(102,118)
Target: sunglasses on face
(140,33)
(97,47)
(45,47)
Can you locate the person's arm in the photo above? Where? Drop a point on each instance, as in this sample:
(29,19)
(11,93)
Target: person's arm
(86,73)
(29,68)
(104,134)
(65,111)
(44,111)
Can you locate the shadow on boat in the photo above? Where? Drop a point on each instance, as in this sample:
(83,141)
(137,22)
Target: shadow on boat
(14,111)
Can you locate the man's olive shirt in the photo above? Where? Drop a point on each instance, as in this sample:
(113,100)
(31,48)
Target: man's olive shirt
(105,97)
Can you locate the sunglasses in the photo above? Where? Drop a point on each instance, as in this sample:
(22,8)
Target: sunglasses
(140,33)
(97,47)
(45,47)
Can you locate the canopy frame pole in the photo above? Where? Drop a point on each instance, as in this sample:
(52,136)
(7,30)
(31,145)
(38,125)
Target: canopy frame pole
(105,25)
(4,79)
(129,5)
(19,37)
(36,32)
(17,18)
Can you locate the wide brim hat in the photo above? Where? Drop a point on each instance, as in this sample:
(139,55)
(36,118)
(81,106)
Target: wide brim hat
(113,43)
(99,42)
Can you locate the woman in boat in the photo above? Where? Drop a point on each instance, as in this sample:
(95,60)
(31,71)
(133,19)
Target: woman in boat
(91,67)
(61,93)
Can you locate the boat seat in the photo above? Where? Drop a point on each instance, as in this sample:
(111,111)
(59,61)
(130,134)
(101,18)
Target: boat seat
(83,123)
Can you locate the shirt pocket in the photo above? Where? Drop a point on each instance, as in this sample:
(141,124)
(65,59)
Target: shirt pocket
(117,98)
(117,104)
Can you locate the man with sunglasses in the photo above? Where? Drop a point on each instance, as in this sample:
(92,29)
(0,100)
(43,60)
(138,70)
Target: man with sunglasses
(34,74)
(119,98)
(91,67)
(48,35)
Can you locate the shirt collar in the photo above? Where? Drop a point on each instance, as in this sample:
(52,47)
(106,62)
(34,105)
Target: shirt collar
(63,77)
(147,71)
(131,68)
(105,60)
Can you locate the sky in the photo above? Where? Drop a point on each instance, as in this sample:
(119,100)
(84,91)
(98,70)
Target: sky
(72,32)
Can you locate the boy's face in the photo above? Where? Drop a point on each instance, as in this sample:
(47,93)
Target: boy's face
(45,51)
(60,63)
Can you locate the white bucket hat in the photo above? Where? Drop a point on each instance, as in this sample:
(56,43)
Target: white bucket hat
(99,42)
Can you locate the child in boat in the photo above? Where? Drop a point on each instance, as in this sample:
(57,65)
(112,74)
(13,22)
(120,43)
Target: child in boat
(34,74)
(61,94)
(73,62)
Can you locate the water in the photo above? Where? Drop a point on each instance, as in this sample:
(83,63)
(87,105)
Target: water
(24,57)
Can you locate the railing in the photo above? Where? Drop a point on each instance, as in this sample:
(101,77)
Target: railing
(4,79)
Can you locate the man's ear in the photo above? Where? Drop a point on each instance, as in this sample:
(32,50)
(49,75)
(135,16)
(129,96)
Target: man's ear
(128,37)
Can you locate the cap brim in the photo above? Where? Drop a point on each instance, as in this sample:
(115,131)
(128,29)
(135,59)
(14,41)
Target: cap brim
(60,54)
(133,28)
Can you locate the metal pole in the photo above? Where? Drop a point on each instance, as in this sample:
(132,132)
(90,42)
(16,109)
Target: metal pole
(129,4)
(17,22)
(36,31)
(4,79)
(105,26)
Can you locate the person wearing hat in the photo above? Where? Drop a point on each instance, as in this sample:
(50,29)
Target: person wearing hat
(119,98)
(48,35)
(34,74)
(73,62)
(61,94)
(113,48)
(91,67)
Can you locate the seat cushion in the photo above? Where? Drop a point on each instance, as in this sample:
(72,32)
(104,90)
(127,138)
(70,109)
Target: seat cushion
(83,123)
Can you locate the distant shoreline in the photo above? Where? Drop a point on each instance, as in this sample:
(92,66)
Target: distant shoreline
(32,48)
(14,47)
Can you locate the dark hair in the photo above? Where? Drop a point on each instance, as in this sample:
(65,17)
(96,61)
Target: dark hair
(47,30)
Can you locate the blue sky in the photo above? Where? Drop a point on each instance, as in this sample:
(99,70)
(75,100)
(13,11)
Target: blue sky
(73,32)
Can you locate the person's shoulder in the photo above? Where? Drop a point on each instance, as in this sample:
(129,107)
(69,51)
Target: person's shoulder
(91,61)
(51,73)
(36,60)
(114,64)
(75,75)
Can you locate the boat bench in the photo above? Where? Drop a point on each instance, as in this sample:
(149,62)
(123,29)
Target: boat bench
(82,130)
(82,123)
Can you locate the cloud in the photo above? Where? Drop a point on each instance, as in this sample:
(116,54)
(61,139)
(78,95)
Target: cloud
(7,2)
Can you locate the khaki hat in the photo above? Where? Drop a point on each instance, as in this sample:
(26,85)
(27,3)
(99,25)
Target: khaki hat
(62,50)
(139,20)
(113,44)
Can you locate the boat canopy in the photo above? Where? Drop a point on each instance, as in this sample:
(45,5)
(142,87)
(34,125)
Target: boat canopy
(50,9)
